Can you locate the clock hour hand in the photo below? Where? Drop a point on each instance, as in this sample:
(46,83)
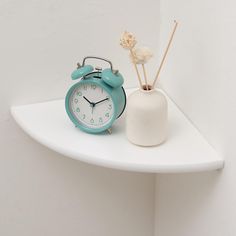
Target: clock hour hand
(87,100)
(92,104)
(101,101)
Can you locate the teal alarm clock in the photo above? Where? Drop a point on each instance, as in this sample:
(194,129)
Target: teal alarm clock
(97,99)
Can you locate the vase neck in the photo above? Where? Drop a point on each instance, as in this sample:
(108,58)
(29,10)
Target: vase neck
(147,91)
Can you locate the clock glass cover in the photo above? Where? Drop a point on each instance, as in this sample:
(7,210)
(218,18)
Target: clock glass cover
(91,105)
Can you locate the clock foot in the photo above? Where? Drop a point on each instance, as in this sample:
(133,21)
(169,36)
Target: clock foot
(109,131)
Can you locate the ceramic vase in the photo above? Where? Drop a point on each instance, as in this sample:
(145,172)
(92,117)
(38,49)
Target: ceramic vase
(146,117)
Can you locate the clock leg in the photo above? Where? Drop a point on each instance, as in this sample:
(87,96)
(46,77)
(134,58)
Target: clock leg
(109,131)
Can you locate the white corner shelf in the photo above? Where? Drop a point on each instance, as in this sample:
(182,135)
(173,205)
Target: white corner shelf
(184,151)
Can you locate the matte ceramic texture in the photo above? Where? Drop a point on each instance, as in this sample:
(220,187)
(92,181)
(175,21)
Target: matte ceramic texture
(146,117)
(185,151)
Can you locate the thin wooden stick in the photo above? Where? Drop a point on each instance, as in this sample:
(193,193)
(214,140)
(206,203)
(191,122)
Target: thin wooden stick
(145,77)
(165,54)
(136,68)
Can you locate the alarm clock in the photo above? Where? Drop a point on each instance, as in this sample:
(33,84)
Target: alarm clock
(97,99)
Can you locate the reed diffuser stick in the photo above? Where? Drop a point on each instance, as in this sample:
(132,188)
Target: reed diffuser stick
(136,68)
(145,76)
(165,54)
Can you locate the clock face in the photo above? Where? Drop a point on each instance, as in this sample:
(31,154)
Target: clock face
(91,105)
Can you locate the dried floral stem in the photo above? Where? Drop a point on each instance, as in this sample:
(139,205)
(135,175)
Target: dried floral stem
(165,54)
(145,76)
(136,68)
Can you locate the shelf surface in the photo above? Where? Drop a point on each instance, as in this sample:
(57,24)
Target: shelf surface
(184,151)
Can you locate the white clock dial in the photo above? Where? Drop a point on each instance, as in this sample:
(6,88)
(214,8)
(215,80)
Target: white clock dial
(91,105)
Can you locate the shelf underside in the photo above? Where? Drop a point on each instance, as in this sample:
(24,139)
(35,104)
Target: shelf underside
(184,151)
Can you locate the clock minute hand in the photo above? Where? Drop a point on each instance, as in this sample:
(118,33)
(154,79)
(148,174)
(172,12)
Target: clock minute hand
(101,101)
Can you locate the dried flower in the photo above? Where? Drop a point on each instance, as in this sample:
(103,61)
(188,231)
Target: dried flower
(127,40)
(141,55)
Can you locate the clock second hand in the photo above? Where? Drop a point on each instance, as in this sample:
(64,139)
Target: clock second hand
(92,108)
(92,104)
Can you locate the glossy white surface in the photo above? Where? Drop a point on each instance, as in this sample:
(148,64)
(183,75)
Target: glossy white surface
(184,151)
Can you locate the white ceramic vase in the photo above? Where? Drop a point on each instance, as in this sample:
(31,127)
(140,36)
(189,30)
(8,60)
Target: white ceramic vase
(146,117)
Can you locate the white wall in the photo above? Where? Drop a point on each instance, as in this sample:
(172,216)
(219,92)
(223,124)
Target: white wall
(41,192)
(200,77)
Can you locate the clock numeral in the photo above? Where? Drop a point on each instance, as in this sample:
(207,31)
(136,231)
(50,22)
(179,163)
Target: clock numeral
(93,86)
(107,114)
(76,100)
(92,121)
(79,93)
(109,106)
(85,87)
(100,120)
(83,116)
(77,109)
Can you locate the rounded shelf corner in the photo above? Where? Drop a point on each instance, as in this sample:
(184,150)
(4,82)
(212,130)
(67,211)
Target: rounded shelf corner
(184,151)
